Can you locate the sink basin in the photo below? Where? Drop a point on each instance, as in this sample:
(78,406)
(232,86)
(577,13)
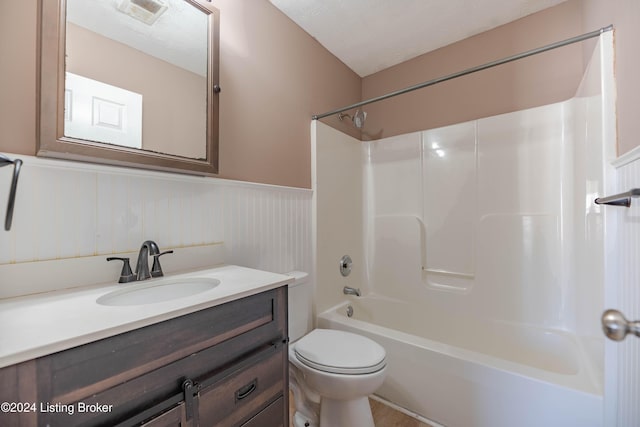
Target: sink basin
(158,291)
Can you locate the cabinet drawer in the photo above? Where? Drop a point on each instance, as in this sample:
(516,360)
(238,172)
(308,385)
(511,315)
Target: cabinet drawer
(173,418)
(240,394)
(271,416)
(120,358)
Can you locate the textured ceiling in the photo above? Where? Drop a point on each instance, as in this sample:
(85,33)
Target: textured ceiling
(179,36)
(371,35)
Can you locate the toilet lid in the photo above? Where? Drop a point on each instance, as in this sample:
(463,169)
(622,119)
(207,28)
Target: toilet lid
(340,352)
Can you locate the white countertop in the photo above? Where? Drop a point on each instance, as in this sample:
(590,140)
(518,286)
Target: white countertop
(37,325)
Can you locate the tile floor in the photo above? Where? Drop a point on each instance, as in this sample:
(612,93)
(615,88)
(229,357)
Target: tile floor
(386,416)
(383,415)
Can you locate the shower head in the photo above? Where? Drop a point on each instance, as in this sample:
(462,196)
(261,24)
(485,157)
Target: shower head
(358,118)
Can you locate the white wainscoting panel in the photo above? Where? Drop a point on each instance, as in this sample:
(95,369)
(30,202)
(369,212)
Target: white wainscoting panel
(268,228)
(69,210)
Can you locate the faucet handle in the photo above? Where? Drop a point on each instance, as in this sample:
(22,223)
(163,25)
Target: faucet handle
(126,275)
(156,269)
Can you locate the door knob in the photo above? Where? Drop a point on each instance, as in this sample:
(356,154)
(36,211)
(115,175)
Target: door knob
(616,327)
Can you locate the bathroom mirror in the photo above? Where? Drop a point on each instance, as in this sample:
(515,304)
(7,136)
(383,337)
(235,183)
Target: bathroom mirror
(130,83)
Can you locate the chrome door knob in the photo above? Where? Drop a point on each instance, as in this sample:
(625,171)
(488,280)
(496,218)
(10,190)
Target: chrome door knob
(616,327)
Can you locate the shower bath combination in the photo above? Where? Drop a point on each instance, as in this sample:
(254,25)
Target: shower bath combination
(497,245)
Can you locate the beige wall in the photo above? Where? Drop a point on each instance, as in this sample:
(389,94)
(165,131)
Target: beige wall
(543,79)
(174,100)
(18,77)
(274,76)
(625,17)
(534,81)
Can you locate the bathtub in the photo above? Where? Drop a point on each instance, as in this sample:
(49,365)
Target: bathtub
(477,374)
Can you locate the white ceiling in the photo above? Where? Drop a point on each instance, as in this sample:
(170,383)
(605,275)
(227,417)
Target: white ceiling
(179,36)
(371,35)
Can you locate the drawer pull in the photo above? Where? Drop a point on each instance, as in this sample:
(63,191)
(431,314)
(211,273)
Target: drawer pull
(246,390)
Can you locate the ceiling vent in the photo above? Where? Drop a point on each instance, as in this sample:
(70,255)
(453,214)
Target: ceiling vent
(147,11)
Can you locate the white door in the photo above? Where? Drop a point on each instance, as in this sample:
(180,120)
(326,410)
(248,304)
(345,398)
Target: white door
(100,112)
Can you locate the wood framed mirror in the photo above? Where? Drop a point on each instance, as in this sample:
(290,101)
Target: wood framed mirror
(130,83)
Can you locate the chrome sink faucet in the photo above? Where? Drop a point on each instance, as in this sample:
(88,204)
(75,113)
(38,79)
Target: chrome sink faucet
(148,248)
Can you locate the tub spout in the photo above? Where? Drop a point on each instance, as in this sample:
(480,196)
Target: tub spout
(348,290)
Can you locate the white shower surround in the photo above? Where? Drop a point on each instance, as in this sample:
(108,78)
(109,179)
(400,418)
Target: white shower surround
(496,228)
(486,233)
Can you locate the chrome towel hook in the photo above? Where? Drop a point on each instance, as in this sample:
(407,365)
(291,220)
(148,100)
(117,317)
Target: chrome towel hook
(17,164)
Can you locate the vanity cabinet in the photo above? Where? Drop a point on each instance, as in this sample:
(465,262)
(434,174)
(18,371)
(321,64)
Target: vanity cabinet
(222,366)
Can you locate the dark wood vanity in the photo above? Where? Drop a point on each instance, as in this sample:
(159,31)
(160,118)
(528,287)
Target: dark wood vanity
(222,366)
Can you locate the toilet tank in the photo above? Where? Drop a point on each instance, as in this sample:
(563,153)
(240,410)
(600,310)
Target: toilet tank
(300,305)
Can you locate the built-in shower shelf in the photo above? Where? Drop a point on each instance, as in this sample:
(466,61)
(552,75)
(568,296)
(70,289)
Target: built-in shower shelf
(622,199)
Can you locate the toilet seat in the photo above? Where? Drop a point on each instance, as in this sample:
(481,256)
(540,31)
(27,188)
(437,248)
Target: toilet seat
(340,352)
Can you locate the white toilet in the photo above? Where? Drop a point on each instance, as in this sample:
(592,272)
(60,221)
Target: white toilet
(332,372)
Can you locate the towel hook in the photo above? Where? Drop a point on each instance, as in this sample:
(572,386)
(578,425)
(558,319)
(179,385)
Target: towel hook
(17,164)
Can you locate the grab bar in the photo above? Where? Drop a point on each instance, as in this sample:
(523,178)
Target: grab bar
(17,164)
(622,199)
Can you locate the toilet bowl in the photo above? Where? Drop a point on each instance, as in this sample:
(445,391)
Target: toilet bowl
(343,369)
